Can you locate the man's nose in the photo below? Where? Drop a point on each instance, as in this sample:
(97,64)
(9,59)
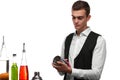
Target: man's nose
(76,20)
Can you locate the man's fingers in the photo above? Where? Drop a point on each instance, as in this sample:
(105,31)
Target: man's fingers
(59,63)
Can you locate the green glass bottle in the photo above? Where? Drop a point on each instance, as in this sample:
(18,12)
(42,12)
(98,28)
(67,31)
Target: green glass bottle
(14,69)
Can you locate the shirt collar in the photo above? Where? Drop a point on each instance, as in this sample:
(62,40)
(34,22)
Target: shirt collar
(85,32)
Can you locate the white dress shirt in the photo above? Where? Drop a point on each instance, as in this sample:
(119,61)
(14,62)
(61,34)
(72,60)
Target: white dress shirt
(98,59)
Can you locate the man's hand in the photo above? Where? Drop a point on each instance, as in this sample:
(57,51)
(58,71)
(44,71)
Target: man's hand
(62,67)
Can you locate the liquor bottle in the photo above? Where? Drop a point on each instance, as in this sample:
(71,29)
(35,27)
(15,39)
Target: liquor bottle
(37,76)
(4,61)
(23,73)
(14,69)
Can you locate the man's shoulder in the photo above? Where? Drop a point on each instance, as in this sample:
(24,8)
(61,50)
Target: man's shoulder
(100,38)
(69,37)
(70,34)
(95,33)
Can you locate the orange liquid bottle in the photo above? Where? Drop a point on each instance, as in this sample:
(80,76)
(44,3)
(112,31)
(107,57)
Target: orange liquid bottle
(23,73)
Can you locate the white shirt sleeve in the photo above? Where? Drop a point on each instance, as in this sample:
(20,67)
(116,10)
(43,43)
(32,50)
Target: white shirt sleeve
(98,59)
(62,55)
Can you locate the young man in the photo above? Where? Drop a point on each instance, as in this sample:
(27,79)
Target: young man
(84,49)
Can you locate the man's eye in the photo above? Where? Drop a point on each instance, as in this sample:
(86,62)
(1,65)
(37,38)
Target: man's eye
(73,17)
(80,17)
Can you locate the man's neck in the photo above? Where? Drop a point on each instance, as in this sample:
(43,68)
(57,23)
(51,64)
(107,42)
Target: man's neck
(79,31)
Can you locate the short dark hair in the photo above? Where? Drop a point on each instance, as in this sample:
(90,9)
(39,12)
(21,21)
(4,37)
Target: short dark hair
(78,5)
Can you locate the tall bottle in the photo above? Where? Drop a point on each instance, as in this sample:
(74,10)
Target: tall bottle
(4,61)
(23,73)
(14,69)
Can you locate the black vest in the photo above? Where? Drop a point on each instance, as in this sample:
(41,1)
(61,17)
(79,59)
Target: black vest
(84,58)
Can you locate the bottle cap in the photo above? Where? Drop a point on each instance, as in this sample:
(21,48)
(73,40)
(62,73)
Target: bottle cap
(23,47)
(35,73)
(14,54)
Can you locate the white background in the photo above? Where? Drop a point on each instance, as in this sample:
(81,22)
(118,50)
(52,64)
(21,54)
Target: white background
(43,26)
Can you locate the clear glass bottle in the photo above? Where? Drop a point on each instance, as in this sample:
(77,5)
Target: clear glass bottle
(36,76)
(4,61)
(14,69)
(23,73)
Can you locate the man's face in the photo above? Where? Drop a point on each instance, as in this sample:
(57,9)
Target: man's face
(80,19)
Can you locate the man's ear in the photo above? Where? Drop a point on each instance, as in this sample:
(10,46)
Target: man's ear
(88,18)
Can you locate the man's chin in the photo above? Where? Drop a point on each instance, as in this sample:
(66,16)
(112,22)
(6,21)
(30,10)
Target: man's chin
(77,28)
